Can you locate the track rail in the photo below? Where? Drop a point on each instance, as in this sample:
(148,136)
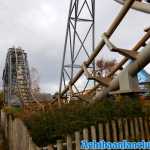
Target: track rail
(140,6)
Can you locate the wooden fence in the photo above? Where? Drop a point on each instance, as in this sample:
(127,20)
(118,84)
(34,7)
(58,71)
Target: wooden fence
(16,133)
(115,130)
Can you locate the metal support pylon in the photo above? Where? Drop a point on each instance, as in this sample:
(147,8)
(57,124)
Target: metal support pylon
(79,44)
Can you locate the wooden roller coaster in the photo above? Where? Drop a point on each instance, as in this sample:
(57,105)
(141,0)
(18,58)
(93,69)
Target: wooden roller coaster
(17,82)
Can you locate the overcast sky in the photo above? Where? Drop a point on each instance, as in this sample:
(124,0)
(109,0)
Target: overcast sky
(38,26)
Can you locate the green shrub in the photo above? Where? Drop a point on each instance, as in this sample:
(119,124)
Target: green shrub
(46,127)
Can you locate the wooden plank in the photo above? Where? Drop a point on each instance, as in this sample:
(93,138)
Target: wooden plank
(77,140)
(136,126)
(69,142)
(141,128)
(107,131)
(114,130)
(132,133)
(59,145)
(120,129)
(147,131)
(85,134)
(93,132)
(126,129)
(101,132)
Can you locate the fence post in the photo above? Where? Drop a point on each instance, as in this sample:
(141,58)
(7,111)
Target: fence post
(25,137)
(77,140)
(126,129)
(101,132)
(93,132)
(85,134)
(114,130)
(3,116)
(59,145)
(132,130)
(11,132)
(69,142)
(147,133)
(137,134)
(50,147)
(30,143)
(141,128)
(15,134)
(120,129)
(107,129)
(6,126)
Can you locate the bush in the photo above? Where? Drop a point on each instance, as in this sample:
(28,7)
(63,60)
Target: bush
(46,127)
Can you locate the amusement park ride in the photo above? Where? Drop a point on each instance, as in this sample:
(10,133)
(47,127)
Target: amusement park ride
(79,58)
(127,81)
(16,78)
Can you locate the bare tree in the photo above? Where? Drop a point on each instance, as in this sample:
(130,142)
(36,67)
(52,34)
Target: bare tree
(35,79)
(104,67)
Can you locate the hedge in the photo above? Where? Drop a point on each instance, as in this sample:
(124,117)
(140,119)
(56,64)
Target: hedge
(47,127)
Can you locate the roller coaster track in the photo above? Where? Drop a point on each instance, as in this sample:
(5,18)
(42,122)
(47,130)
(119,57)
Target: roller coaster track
(144,7)
(138,57)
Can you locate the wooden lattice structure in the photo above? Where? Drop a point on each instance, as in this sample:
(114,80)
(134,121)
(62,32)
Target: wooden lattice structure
(16,78)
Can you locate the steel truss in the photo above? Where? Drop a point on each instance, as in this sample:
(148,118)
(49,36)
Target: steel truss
(79,43)
(129,54)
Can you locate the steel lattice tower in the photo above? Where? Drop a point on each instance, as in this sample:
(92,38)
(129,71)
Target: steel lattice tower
(79,44)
